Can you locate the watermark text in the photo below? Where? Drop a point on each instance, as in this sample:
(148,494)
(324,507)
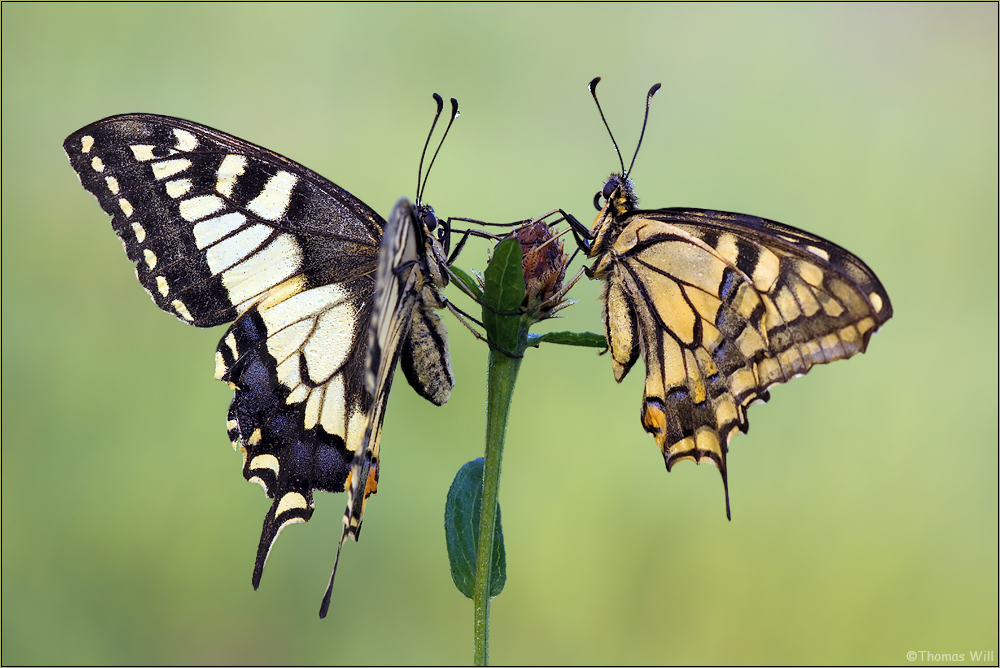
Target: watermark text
(975,656)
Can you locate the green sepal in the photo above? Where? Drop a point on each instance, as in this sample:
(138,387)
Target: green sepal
(468,282)
(584,339)
(461,529)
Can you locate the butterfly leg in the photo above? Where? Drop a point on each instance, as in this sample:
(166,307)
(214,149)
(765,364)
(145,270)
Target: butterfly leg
(464,317)
(472,233)
(459,246)
(580,231)
(484,223)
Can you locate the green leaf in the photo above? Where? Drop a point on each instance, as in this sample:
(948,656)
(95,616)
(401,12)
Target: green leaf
(461,529)
(468,282)
(584,339)
(504,283)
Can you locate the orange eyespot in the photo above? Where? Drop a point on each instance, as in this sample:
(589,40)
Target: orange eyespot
(371,486)
(654,420)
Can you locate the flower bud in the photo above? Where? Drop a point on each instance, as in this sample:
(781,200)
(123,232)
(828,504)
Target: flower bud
(544,266)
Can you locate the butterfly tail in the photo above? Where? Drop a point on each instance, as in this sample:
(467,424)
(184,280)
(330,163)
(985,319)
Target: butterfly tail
(324,607)
(725,487)
(363,483)
(290,507)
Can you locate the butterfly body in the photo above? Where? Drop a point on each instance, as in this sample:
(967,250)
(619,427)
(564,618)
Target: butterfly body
(321,301)
(403,328)
(721,306)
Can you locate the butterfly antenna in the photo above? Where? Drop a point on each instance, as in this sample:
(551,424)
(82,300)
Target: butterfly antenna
(592,87)
(454,114)
(649,96)
(437,115)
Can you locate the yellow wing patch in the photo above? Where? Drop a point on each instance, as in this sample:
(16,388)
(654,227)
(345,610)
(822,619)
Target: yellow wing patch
(721,307)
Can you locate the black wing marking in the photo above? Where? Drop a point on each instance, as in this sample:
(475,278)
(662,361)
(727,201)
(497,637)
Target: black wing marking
(722,306)
(221,228)
(213,222)
(752,232)
(300,408)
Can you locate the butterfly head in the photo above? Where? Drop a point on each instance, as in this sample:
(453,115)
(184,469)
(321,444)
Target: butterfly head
(619,197)
(425,214)
(437,245)
(619,203)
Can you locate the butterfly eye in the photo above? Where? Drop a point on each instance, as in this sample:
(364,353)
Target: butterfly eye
(609,188)
(428,219)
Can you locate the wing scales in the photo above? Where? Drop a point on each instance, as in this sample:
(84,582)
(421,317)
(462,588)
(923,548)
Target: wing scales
(288,460)
(722,307)
(211,221)
(404,293)
(300,405)
(221,229)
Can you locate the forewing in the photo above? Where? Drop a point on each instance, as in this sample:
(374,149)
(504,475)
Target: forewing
(213,222)
(726,306)
(403,327)
(220,229)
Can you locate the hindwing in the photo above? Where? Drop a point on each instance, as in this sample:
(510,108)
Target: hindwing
(409,275)
(301,409)
(721,306)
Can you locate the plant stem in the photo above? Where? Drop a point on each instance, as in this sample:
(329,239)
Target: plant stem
(500,377)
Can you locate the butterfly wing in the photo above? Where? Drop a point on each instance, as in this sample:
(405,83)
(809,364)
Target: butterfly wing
(221,229)
(211,221)
(722,306)
(402,318)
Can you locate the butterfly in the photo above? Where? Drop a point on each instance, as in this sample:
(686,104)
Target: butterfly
(721,306)
(324,297)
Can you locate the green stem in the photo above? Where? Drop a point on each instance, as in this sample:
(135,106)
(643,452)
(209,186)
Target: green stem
(500,377)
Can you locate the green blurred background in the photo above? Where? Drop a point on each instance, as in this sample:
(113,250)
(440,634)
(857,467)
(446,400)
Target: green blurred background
(864,498)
